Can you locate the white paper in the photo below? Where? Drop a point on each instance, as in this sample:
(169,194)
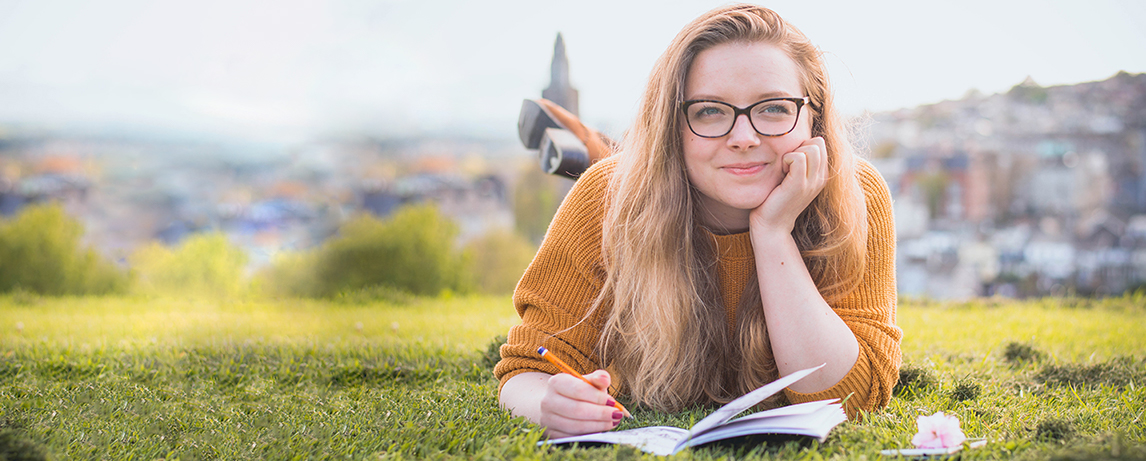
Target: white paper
(658,440)
(816,424)
(797,409)
(746,401)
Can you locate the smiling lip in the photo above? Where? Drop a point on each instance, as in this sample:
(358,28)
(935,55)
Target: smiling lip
(744,169)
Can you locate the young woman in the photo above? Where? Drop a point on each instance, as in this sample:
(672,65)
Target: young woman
(733,239)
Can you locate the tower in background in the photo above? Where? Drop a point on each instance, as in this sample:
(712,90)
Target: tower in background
(559,90)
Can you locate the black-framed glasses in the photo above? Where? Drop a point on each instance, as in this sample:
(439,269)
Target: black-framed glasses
(771,117)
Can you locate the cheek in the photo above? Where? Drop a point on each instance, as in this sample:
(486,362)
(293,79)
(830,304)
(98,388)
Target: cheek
(793,140)
(693,150)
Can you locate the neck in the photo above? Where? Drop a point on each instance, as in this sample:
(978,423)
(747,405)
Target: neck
(722,219)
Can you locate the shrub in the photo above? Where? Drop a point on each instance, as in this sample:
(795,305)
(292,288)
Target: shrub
(289,274)
(966,389)
(912,379)
(206,264)
(535,201)
(1053,430)
(1020,353)
(496,261)
(413,251)
(40,252)
(15,446)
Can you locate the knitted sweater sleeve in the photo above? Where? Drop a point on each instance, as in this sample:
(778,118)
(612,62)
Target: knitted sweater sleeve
(869,310)
(561,284)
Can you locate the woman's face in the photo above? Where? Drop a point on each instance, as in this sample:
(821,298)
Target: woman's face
(735,172)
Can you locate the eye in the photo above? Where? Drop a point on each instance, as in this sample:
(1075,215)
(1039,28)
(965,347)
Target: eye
(705,110)
(776,108)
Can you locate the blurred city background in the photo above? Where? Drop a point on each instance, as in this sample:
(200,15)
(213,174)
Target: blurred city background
(1013,136)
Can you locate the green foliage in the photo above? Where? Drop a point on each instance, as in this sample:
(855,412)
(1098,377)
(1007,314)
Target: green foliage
(1020,353)
(375,294)
(204,264)
(493,353)
(496,261)
(966,389)
(535,201)
(413,250)
(1028,92)
(913,379)
(411,253)
(289,274)
(41,252)
(1054,429)
(1117,373)
(934,188)
(14,446)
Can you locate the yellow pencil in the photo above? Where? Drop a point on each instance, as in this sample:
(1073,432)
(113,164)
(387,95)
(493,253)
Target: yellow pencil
(568,369)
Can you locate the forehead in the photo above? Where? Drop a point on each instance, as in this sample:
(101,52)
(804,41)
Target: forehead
(743,73)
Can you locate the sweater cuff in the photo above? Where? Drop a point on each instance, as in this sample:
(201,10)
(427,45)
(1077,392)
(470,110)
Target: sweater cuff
(856,384)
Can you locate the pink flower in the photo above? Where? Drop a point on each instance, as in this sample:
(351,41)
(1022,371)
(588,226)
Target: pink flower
(938,431)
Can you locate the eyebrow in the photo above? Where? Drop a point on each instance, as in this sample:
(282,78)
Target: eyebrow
(760,97)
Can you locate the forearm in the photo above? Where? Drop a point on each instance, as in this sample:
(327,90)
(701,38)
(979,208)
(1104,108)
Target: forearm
(803,329)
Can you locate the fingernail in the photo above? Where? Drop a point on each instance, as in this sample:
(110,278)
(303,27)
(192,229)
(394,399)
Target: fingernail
(610,403)
(616,422)
(617,415)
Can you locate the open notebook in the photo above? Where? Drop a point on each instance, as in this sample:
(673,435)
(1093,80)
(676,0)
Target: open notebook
(811,419)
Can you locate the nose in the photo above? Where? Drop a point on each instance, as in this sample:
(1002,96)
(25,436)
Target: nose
(743,136)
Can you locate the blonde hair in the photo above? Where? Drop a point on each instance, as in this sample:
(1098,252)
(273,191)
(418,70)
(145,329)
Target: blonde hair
(666,331)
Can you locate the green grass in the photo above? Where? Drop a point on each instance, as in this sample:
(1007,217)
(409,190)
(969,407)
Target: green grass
(149,378)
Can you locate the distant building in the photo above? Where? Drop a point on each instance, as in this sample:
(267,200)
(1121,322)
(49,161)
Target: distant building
(1024,193)
(560,91)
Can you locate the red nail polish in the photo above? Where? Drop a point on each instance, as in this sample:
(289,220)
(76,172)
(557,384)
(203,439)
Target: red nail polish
(617,415)
(616,422)
(610,403)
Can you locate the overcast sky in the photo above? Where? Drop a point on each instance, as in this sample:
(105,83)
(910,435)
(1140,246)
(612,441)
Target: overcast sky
(289,70)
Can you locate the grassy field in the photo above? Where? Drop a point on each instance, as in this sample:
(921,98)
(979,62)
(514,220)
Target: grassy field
(147,378)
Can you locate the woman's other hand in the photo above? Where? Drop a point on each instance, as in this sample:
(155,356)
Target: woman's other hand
(562,403)
(572,407)
(805,174)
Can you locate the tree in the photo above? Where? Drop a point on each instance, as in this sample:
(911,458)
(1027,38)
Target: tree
(41,252)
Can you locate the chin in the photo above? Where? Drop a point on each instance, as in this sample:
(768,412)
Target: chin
(745,203)
(749,199)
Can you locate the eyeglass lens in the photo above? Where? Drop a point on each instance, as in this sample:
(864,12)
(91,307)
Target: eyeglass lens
(715,119)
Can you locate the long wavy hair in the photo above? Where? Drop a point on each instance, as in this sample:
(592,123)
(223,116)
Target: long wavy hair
(666,334)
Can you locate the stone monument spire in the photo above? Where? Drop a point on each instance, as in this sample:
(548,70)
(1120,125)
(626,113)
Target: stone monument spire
(559,90)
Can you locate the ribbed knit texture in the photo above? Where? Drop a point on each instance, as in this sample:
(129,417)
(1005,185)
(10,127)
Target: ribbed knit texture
(567,274)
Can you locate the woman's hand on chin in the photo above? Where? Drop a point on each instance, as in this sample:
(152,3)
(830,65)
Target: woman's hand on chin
(805,174)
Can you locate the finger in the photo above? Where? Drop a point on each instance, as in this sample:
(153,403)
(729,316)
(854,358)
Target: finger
(815,153)
(576,389)
(797,163)
(600,379)
(822,159)
(553,404)
(558,426)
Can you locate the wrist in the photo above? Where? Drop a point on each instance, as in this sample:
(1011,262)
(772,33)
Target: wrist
(773,242)
(762,233)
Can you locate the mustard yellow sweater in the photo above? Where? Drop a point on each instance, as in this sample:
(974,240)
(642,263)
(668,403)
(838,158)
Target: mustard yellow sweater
(567,274)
